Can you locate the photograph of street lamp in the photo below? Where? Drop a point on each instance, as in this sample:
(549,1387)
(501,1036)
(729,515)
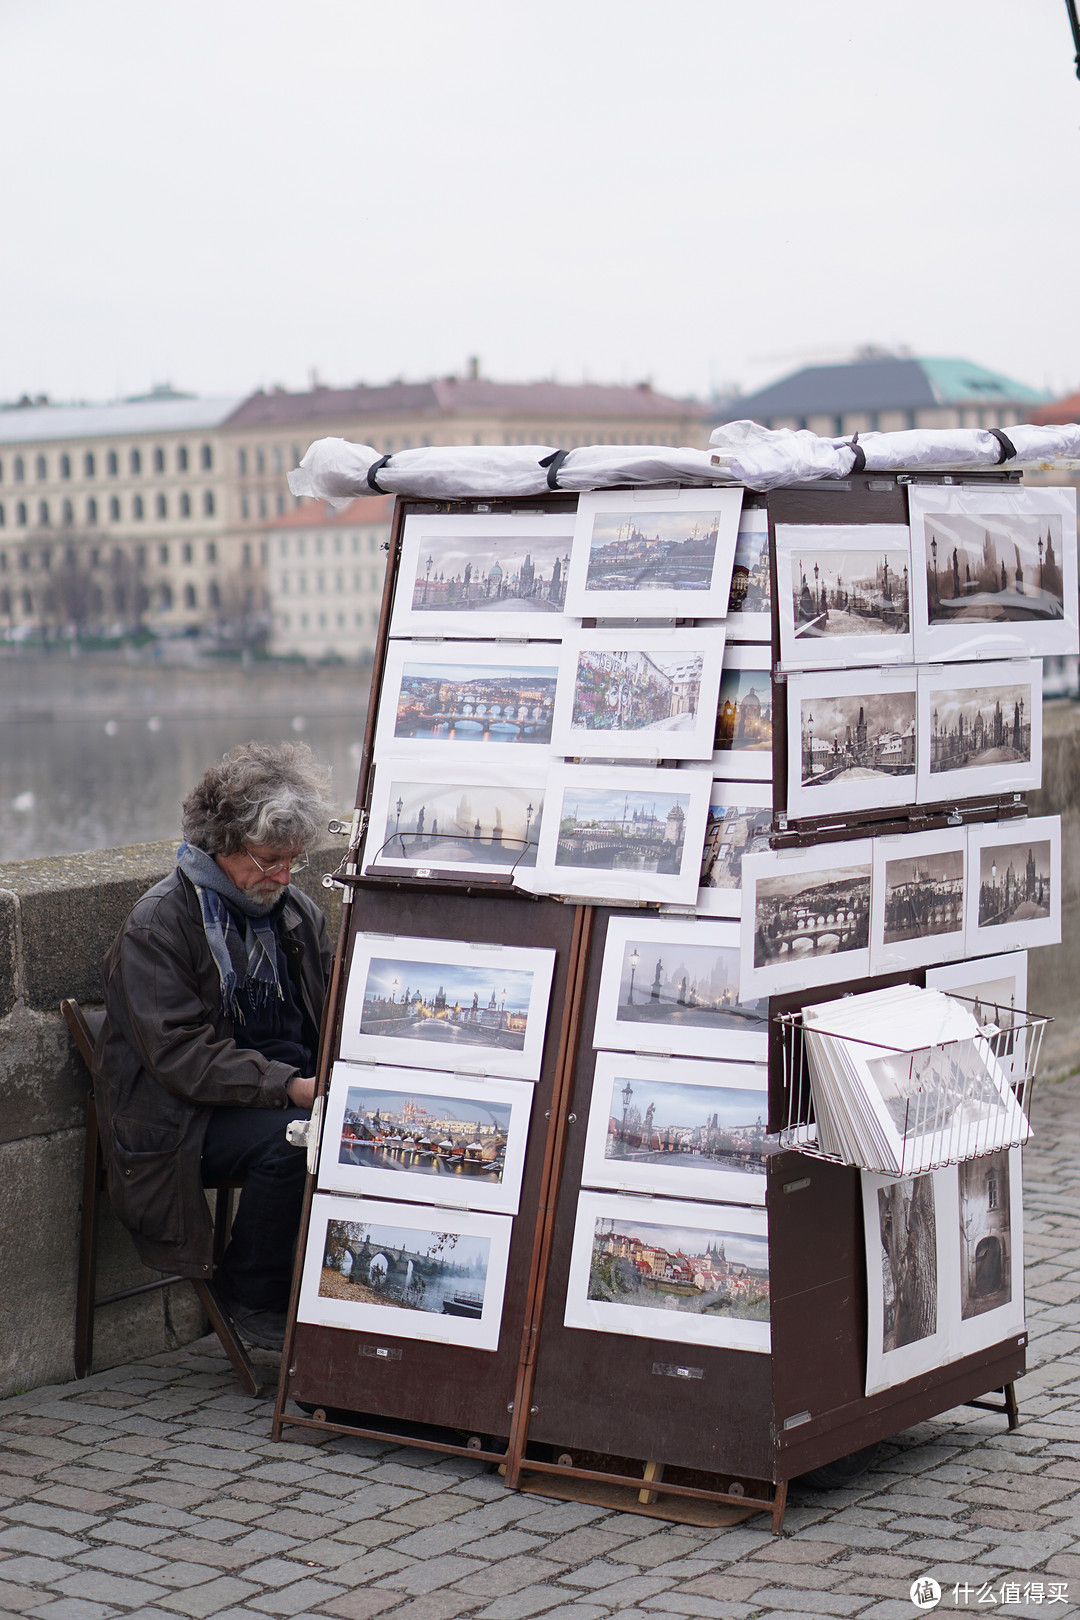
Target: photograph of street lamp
(483,574)
(852,742)
(447,1003)
(638,694)
(993,570)
(1015,885)
(845,594)
(479,701)
(980,729)
(476,820)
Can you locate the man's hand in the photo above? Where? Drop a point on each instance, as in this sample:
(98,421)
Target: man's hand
(302,1092)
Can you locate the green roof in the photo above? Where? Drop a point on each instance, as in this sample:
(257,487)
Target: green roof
(961,382)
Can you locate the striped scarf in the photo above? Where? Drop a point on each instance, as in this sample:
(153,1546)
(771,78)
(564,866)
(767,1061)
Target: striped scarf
(247,960)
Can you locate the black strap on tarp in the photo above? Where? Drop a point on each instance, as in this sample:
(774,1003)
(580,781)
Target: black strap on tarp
(1008,449)
(860,454)
(376,467)
(553,463)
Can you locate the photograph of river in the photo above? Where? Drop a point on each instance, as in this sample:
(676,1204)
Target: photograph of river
(405,1268)
(422,1135)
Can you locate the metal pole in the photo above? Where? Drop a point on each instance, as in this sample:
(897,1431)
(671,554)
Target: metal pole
(1074,24)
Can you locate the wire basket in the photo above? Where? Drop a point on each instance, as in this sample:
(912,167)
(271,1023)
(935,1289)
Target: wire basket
(942,1103)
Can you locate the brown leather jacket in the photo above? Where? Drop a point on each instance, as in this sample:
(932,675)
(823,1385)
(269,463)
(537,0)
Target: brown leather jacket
(165,1057)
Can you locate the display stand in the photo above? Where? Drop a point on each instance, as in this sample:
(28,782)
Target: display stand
(669,1428)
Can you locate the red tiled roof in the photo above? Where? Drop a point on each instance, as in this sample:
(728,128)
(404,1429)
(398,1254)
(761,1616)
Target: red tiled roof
(318,515)
(461,397)
(1062,410)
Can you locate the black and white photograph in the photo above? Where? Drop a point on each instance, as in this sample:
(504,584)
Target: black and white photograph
(638,694)
(479,820)
(994,988)
(681,1128)
(912,1266)
(672,985)
(744,730)
(919,911)
(740,822)
(425,1136)
(446,1003)
(483,574)
(993,570)
(1015,884)
(749,614)
(805,918)
(654,554)
(985,1234)
(845,594)
(625,833)
(852,742)
(686,1272)
(467,700)
(980,729)
(407,1271)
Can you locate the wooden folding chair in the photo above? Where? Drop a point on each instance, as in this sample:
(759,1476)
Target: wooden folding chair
(85,1027)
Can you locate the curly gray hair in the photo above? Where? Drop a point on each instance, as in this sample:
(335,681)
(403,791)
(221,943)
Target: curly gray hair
(258,795)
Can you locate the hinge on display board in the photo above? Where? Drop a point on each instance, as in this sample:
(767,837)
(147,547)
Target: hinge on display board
(779,675)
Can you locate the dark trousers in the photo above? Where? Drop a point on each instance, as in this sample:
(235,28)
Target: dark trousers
(248,1145)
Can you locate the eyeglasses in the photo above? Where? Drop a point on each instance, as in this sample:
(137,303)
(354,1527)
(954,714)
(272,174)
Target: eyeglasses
(285,865)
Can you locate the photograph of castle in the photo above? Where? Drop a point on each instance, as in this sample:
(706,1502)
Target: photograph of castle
(633,694)
(845,594)
(980,729)
(483,574)
(993,570)
(654,554)
(919,896)
(466,820)
(691,1273)
(1016,884)
(405,1270)
(679,1127)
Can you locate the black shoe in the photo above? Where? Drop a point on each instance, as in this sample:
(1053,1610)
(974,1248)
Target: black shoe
(264,1329)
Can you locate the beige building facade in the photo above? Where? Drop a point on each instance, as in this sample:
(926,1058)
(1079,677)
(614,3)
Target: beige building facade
(324,579)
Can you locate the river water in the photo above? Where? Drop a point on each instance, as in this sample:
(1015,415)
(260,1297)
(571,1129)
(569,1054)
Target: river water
(112,774)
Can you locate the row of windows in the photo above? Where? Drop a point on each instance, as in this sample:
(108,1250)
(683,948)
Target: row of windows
(111,462)
(319,587)
(300,541)
(96,556)
(258,462)
(302,621)
(120,598)
(138,510)
(262,506)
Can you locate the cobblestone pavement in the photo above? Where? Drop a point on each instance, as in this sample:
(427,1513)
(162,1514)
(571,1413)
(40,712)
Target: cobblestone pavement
(154,1491)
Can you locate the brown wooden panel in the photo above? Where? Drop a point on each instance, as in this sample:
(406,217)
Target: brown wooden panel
(439,1383)
(601,1392)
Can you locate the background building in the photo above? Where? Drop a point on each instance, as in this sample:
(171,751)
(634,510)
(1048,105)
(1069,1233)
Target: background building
(878,391)
(324,572)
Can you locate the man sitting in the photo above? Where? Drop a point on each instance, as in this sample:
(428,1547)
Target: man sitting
(214,991)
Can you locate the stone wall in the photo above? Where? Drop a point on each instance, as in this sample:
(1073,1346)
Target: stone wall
(57,917)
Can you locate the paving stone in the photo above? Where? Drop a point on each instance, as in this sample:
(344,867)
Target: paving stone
(28,1539)
(201,1602)
(508,1575)
(433,1606)
(804,1600)
(429,1573)
(361,1605)
(106,1588)
(591,1541)
(519,1605)
(501,1544)
(74,1609)
(303,1596)
(199,1551)
(119,1560)
(50,1517)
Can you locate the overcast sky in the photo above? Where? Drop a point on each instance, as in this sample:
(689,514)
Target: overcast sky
(226,194)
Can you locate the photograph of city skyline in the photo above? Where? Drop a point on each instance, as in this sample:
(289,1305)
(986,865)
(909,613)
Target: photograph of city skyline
(482,703)
(446,1004)
(854,739)
(688,1126)
(713,1272)
(1014,882)
(850,593)
(622,830)
(924,895)
(685,985)
(418,1133)
(984,726)
(996,566)
(671,551)
(491,573)
(433,823)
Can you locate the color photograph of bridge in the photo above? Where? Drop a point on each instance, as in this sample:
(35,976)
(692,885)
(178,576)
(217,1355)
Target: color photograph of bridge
(996,566)
(683,986)
(485,703)
(405,1268)
(624,830)
(443,824)
(659,551)
(446,1004)
(419,1134)
(924,895)
(491,574)
(811,914)
(857,738)
(852,593)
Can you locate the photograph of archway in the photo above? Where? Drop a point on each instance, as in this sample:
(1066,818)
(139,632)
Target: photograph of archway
(985,1234)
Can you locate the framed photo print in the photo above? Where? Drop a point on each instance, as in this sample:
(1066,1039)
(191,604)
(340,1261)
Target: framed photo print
(749,614)
(478,820)
(744,730)
(1015,891)
(919,899)
(476,700)
(406,1270)
(483,574)
(806,918)
(622,834)
(993,570)
(995,989)
(672,985)
(844,594)
(638,694)
(912,1275)
(852,741)
(653,553)
(447,1002)
(683,1272)
(980,729)
(681,1128)
(990,1227)
(425,1136)
(740,822)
